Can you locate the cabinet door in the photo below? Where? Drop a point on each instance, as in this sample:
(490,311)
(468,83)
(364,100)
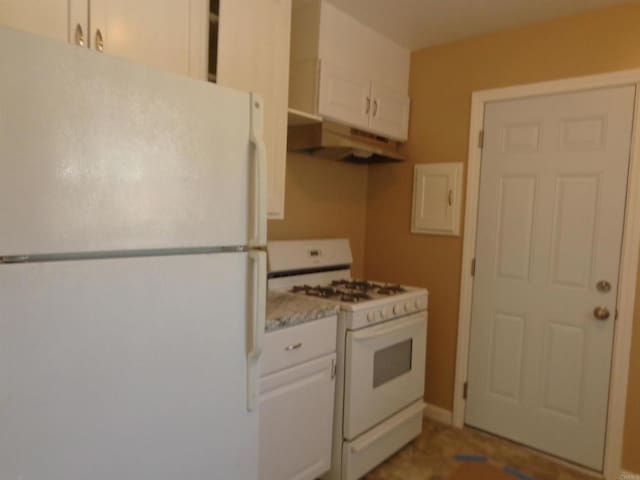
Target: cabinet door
(253,55)
(171,36)
(389,113)
(55,19)
(437,196)
(344,96)
(296,421)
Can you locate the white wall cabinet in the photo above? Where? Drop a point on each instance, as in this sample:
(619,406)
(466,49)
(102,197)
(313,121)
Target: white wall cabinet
(253,55)
(344,96)
(389,112)
(348,98)
(437,196)
(172,36)
(346,72)
(55,19)
(297,392)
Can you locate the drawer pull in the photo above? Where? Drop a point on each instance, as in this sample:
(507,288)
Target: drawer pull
(295,346)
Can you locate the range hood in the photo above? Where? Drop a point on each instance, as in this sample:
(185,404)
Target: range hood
(339,142)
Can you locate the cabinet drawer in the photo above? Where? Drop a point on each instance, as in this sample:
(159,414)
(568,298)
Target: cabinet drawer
(291,346)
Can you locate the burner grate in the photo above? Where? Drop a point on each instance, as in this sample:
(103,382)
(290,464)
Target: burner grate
(352,291)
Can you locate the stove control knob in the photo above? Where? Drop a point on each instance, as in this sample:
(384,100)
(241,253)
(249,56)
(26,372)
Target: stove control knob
(421,304)
(398,309)
(408,307)
(371,316)
(385,312)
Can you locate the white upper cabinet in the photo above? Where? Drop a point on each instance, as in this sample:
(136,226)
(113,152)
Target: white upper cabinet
(253,55)
(49,18)
(344,96)
(249,48)
(346,72)
(171,36)
(389,111)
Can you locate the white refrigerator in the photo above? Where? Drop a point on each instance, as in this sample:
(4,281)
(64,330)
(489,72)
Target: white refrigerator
(132,278)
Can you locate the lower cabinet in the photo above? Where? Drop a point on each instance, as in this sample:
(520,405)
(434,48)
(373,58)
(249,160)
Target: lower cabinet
(296,420)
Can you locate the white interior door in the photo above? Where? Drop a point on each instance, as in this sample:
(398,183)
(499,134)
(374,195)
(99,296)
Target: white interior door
(129,368)
(552,199)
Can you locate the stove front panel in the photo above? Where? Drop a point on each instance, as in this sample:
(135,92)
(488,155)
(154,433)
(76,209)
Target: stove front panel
(384,371)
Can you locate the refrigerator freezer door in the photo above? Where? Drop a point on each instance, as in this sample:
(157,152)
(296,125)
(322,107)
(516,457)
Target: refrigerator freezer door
(126,369)
(99,154)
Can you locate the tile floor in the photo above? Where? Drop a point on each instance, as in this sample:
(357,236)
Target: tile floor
(431,457)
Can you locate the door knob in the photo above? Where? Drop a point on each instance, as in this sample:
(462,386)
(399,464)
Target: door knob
(601,313)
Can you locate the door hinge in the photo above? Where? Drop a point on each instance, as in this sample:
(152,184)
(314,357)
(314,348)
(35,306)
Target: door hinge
(481,139)
(473,267)
(334,369)
(465,390)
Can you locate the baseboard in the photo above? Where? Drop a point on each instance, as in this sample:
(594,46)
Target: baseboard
(439,414)
(629,476)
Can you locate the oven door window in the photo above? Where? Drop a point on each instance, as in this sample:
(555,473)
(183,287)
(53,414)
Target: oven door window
(392,362)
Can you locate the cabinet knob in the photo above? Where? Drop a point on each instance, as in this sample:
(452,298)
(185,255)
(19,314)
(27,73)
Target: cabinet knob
(375,107)
(79,36)
(368,105)
(99,41)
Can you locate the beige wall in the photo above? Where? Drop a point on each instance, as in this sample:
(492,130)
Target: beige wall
(324,199)
(442,79)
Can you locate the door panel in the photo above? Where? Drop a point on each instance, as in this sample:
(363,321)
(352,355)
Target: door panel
(126,368)
(389,113)
(296,408)
(116,156)
(49,18)
(552,199)
(171,36)
(344,96)
(253,55)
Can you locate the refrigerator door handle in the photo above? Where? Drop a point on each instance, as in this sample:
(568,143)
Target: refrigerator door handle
(259,195)
(255,333)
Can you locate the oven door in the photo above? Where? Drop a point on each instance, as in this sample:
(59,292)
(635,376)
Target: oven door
(384,371)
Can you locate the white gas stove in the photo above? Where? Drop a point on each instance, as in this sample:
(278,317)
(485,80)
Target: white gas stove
(381,350)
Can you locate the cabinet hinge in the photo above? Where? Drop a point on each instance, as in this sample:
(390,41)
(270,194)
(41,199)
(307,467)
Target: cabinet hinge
(465,390)
(615,317)
(473,267)
(481,139)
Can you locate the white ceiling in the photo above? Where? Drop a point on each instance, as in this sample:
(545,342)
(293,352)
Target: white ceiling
(421,23)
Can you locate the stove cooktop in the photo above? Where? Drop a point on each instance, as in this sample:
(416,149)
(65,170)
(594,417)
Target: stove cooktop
(351,291)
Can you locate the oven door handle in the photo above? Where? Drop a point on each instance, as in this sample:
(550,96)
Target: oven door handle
(388,327)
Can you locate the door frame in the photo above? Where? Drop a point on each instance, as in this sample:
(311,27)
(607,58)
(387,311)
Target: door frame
(629,254)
